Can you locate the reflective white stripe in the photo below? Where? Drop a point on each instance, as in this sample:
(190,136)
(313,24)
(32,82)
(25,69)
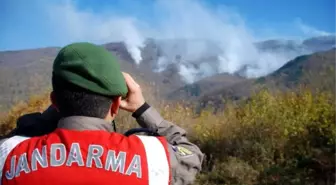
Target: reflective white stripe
(6,147)
(158,167)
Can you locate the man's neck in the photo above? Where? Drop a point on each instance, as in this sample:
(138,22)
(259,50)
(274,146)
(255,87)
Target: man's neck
(81,123)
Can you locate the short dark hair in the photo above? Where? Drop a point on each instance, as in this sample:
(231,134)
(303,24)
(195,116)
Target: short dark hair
(76,101)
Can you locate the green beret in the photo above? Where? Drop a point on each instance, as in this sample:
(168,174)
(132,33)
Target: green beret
(90,67)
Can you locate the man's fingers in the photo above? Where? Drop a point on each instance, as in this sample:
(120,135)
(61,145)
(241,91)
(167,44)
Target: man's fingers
(127,80)
(132,85)
(132,79)
(123,104)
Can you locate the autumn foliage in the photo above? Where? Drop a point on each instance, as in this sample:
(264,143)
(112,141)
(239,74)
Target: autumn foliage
(272,138)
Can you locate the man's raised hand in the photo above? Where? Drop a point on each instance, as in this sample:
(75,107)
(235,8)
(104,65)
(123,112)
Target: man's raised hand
(134,99)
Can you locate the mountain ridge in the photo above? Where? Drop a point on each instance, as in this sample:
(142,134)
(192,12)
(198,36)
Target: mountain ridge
(25,72)
(315,70)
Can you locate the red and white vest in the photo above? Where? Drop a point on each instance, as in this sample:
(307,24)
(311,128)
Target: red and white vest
(85,157)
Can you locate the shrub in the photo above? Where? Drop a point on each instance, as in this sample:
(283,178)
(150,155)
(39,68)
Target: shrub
(278,138)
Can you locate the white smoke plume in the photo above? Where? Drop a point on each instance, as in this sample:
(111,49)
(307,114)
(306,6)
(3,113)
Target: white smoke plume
(175,20)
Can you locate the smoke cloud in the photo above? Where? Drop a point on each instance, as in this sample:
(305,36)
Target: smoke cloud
(209,41)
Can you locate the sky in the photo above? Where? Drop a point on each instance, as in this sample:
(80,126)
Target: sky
(40,23)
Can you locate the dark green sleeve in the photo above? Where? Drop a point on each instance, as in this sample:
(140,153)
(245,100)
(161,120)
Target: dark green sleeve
(186,158)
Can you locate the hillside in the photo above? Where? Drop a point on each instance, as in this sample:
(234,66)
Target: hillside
(315,70)
(169,65)
(234,84)
(27,72)
(24,73)
(204,86)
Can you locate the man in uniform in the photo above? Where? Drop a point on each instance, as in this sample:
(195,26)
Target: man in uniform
(81,148)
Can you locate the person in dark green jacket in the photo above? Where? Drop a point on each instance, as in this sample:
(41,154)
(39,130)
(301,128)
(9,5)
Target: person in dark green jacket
(91,67)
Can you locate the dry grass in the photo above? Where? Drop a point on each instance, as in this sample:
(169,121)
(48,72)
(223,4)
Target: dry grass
(34,104)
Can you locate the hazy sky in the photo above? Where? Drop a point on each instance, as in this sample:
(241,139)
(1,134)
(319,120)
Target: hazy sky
(40,23)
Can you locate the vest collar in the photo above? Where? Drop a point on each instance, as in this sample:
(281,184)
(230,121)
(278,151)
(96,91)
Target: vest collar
(81,123)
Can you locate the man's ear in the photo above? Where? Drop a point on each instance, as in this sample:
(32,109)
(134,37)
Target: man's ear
(115,105)
(53,101)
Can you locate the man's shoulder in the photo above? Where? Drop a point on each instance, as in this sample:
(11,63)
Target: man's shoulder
(35,124)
